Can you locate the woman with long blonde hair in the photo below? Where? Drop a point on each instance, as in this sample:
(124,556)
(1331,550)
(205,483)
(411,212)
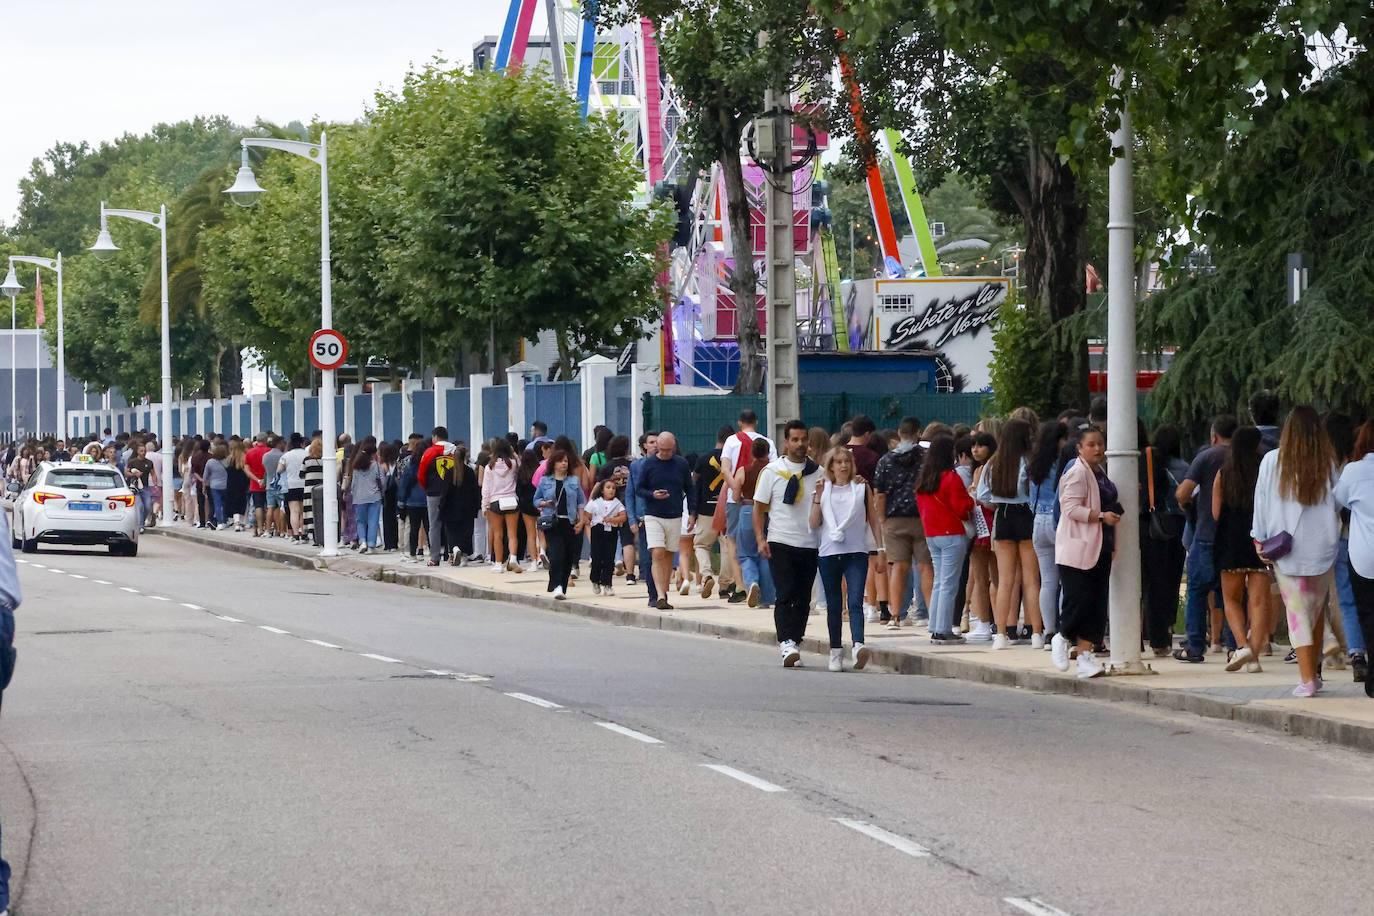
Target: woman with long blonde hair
(1296,530)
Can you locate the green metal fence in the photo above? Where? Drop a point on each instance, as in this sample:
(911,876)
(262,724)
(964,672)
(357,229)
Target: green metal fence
(695,419)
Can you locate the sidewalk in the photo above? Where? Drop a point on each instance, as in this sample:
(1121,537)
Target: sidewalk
(1341,715)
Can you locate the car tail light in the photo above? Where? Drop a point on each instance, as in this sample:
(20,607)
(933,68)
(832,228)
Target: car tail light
(121,501)
(42,496)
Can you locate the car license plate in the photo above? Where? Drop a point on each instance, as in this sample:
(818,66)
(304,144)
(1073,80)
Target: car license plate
(87,507)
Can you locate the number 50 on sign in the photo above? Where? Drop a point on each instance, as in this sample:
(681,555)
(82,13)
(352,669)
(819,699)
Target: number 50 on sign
(328,349)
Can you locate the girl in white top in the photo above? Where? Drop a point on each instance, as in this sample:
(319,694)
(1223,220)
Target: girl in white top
(1295,495)
(605,515)
(844,513)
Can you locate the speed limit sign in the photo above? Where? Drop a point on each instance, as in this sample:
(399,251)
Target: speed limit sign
(328,349)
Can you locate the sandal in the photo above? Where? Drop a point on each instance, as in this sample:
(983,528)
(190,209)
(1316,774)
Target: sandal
(1184,655)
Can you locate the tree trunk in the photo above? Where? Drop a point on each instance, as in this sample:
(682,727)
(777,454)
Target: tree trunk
(743,280)
(565,360)
(1052,268)
(212,377)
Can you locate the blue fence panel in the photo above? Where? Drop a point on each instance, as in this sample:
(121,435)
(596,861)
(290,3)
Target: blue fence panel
(339,414)
(459,415)
(559,404)
(246,419)
(263,412)
(226,412)
(209,418)
(310,415)
(176,424)
(495,412)
(619,409)
(362,417)
(422,412)
(288,418)
(391,415)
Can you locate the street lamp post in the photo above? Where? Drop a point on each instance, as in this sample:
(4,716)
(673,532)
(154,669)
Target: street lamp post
(245,192)
(55,265)
(104,249)
(11,288)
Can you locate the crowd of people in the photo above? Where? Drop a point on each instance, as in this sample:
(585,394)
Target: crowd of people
(1003,533)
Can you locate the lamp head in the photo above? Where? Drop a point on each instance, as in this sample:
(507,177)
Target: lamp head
(245,189)
(104,248)
(11,285)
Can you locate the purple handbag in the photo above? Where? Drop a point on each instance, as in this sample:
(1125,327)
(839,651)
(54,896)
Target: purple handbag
(1276,547)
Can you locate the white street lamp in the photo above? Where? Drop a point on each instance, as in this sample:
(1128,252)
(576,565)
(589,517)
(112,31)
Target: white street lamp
(104,249)
(54,265)
(244,192)
(11,288)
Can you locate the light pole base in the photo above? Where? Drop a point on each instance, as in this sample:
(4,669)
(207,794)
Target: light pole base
(1129,669)
(329,552)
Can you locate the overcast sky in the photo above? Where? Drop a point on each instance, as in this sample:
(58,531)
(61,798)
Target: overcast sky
(96,69)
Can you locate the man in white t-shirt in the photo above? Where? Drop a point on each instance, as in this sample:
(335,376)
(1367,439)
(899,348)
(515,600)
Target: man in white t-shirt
(733,455)
(783,495)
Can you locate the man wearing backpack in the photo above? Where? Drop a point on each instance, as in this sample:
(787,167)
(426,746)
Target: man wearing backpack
(734,454)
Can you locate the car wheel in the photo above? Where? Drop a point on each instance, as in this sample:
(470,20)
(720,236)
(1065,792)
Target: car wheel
(29,545)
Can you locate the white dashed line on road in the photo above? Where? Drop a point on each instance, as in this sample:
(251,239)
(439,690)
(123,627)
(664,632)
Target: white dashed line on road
(537,701)
(381,658)
(102,582)
(54,569)
(899,843)
(321,642)
(76,575)
(159,598)
(274,630)
(38,566)
(194,607)
(761,784)
(21,560)
(629,732)
(1035,906)
(125,588)
(228,618)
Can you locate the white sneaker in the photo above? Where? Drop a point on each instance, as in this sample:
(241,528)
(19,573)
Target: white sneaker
(790,655)
(860,656)
(754,595)
(981,632)
(685,588)
(608,591)
(1059,652)
(558,593)
(1037,640)
(871,613)
(836,659)
(1088,666)
(1000,642)
(596,588)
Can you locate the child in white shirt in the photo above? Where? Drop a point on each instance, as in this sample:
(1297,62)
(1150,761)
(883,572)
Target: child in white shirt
(606,515)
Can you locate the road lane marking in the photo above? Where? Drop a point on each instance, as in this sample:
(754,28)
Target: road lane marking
(900,843)
(102,582)
(194,607)
(1035,906)
(228,618)
(159,598)
(18,560)
(38,566)
(274,630)
(629,733)
(125,588)
(381,658)
(54,569)
(76,575)
(537,701)
(761,784)
(321,642)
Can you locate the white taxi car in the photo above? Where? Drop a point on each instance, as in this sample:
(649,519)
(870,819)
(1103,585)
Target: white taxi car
(74,502)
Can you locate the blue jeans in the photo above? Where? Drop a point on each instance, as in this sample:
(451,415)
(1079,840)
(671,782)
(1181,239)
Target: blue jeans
(369,515)
(947,551)
(1350,617)
(217,501)
(852,568)
(753,568)
(143,499)
(1202,581)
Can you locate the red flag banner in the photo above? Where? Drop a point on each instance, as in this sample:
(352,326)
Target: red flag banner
(38,298)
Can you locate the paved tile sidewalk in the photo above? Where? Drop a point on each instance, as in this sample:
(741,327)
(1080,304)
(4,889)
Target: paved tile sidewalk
(1342,714)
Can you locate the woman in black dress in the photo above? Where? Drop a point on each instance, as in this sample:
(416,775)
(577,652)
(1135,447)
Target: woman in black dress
(1244,577)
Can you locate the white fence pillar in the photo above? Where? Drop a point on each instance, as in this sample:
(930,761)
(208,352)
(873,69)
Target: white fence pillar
(517,377)
(593,372)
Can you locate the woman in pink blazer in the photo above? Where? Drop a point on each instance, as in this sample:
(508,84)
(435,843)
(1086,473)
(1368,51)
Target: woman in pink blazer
(1083,547)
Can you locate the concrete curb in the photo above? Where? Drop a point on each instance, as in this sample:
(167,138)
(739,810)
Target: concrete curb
(1353,735)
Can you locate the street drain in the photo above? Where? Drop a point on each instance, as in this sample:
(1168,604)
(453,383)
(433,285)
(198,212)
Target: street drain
(67,632)
(913,702)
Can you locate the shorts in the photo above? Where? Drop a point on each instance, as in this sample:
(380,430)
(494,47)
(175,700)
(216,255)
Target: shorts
(494,508)
(662,532)
(906,540)
(1013,522)
(259,498)
(732,520)
(273,499)
(295,495)
(627,536)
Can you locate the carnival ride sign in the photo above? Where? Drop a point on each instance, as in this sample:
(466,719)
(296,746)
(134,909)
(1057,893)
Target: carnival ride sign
(945,315)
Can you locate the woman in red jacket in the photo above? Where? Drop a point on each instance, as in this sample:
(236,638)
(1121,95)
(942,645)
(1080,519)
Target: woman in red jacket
(944,503)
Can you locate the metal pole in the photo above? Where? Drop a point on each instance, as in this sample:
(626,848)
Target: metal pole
(167,472)
(14,404)
(780,386)
(327,424)
(851,252)
(37,377)
(1123,455)
(61,359)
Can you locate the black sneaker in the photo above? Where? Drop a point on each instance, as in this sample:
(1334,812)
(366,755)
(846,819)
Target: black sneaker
(946,639)
(1292,657)
(630,579)
(1359,665)
(738,597)
(663,605)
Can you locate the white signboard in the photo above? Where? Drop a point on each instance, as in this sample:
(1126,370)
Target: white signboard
(950,316)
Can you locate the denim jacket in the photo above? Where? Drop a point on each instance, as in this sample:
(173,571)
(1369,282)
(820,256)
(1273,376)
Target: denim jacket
(1044,495)
(571,486)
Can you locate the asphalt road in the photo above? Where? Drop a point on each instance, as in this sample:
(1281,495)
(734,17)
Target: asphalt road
(195,732)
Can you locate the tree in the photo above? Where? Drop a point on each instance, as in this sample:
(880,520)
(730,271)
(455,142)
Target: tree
(711,48)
